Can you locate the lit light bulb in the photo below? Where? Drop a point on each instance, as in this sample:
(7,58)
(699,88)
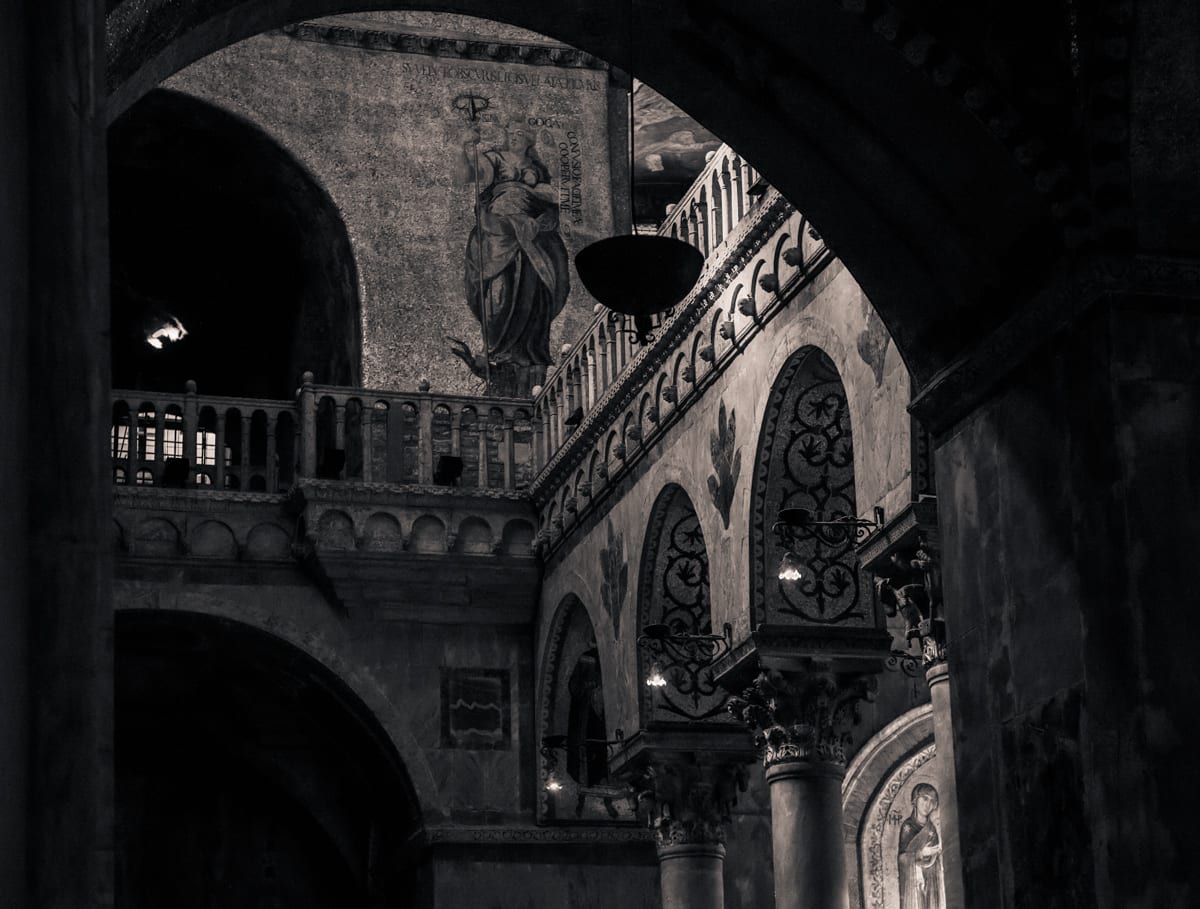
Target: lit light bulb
(790,567)
(552,783)
(656,679)
(170,331)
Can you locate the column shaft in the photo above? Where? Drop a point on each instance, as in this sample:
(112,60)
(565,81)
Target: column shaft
(692,876)
(938,676)
(806,835)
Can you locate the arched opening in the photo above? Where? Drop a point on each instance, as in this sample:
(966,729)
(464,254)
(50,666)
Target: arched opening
(218,230)
(573,775)
(806,460)
(248,774)
(674,591)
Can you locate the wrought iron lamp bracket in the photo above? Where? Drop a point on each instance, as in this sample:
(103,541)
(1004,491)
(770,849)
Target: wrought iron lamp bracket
(701,649)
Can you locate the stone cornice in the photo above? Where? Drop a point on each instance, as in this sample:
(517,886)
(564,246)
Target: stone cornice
(509,835)
(960,387)
(203,499)
(355,492)
(448,47)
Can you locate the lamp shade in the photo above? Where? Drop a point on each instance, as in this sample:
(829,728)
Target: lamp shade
(639,274)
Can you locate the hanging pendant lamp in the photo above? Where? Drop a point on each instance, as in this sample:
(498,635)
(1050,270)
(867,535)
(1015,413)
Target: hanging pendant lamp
(638,275)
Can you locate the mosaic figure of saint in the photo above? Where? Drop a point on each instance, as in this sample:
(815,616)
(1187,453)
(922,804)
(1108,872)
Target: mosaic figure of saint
(516,277)
(920,853)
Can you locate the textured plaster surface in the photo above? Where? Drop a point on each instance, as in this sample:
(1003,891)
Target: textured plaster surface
(380,132)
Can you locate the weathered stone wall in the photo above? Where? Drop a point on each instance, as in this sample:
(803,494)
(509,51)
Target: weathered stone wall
(1073,651)
(382,131)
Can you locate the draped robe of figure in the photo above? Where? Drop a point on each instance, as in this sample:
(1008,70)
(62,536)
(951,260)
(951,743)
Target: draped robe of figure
(516,265)
(920,874)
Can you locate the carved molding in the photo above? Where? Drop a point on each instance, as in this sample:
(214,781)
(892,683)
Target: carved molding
(460,48)
(804,716)
(515,836)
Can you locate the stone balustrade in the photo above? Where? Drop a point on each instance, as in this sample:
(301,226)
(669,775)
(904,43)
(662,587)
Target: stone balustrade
(710,217)
(335,434)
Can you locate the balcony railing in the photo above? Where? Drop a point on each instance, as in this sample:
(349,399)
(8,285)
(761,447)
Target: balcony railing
(709,217)
(359,435)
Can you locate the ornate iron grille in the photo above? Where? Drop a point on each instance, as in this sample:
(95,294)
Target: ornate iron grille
(806,460)
(678,597)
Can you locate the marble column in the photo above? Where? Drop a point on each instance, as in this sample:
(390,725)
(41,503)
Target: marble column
(689,802)
(802,723)
(937,674)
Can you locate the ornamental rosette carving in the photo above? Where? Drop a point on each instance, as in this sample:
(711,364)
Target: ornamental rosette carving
(804,716)
(689,802)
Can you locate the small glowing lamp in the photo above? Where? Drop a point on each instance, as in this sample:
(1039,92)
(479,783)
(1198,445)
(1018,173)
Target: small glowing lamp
(656,679)
(552,782)
(790,567)
(169,331)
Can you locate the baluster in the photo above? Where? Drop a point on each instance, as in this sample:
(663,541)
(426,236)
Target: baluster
(245,477)
(484,421)
(425,441)
(727,192)
(160,420)
(219,469)
(366,424)
(739,188)
(553,424)
(308,424)
(191,421)
(272,467)
(131,447)
(510,453)
(595,391)
(339,430)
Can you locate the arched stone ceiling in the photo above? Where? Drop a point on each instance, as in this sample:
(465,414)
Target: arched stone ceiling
(946,200)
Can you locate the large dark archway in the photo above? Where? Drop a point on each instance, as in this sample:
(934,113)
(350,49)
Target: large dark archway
(946,200)
(247,773)
(216,225)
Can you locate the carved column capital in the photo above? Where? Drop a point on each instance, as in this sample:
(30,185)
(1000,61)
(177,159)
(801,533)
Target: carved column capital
(803,716)
(688,801)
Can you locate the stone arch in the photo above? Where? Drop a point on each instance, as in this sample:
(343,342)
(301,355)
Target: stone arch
(335,530)
(203,701)
(382,533)
(156,536)
(428,534)
(517,538)
(673,590)
(474,536)
(806,460)
(877,785)
(268,541)
(192,183)
(213,540)
(572,704)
